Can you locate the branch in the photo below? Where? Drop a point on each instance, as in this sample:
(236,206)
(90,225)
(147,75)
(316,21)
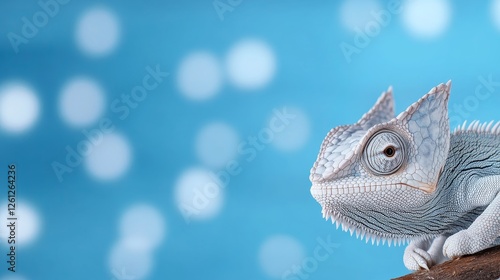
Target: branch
(483,265)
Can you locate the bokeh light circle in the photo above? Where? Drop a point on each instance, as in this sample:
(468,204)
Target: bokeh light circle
(279,254)
(28,224)
(19,107)
(355,14)
(251,64)
(109,158)
(426,18)
(199,194)
(495,12)
(142,225)
(81,102)
(129,262)
(199,76)
(98,32)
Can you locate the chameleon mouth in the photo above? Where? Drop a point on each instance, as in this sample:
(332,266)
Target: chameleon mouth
(362,232)
(319,191)
(427,188)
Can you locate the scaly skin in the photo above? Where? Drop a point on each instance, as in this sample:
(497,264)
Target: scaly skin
(407,178)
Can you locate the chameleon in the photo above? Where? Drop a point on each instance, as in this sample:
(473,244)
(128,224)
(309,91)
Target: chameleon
(408,179)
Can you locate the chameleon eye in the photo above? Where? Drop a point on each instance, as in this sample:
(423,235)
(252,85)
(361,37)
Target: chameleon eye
(384,153)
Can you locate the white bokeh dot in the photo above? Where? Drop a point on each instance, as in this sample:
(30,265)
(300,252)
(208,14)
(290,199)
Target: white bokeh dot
(81,102)
(355,14)
(142,226)
(199,194)
(28,223)
(216,145)
(292,128)
(250,64)
(129,262)
(199,76)
(279,254)
(19,107)
(98,32)
(109,158)
(426,18)
(495,12)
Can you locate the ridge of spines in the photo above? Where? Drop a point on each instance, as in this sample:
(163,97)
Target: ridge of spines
(478,127)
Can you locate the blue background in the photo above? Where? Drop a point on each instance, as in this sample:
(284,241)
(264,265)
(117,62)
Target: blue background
(79,217)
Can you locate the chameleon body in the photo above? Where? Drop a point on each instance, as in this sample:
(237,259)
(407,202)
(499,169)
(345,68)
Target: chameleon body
(407,178)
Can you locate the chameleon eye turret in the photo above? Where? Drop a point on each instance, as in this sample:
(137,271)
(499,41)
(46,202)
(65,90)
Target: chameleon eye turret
(385,153)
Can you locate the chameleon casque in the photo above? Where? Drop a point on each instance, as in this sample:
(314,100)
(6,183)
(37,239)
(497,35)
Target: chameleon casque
(407,178)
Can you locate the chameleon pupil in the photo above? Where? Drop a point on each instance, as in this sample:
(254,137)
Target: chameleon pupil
(389,151)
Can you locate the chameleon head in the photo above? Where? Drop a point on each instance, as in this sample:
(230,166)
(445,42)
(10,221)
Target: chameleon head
(379,161)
